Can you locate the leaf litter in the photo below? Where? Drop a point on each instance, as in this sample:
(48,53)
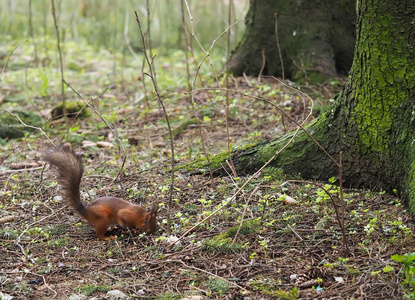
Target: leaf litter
(258,247)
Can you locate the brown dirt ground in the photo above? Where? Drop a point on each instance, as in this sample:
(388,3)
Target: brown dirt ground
(47,251)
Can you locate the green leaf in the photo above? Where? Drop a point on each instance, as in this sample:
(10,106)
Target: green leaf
(387,269)
(410,258)
(397,257)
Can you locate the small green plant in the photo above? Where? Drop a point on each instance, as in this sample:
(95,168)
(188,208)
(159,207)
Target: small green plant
(263,242)
(88,290)
(353,270)
(111,117)
(205,203)
(37,231)
(221,244)
(369,228)
(46,269)
(185,221)
(60,242)
(247,227)
(387,269)
(22,286)
(409,271)
(169,296)
(255,136)
(43,75)
(273,174)
(343,260)
(115,270)
(218,285)
(57,230)
(9,234)
(398,226)
(271,287)
(330,188)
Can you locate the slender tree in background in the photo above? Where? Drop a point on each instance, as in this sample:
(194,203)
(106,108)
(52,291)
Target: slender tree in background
(372,120)
(64,111)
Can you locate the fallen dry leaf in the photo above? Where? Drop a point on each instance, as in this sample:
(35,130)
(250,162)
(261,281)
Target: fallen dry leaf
(105,145)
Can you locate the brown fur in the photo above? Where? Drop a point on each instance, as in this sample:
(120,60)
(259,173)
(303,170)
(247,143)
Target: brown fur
(104,211)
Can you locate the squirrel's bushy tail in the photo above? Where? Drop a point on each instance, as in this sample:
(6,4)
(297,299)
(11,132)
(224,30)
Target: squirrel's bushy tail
(70,169)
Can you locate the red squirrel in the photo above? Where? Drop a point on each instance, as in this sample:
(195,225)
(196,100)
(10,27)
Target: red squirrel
(103,211)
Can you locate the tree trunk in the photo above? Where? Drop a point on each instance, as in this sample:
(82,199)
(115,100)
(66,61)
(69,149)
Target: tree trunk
(316,39)
(372,121)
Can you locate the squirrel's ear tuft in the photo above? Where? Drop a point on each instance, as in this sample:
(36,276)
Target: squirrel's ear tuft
(154,208)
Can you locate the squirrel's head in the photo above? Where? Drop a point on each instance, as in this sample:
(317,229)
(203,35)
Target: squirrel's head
(151,222)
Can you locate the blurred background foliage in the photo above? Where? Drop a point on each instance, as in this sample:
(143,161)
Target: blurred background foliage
(101,48)
(103,23)
(101,43)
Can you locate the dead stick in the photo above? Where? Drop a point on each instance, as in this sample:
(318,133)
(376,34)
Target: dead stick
(297,235)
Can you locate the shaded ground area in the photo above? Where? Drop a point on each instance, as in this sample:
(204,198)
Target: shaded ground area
(258,247)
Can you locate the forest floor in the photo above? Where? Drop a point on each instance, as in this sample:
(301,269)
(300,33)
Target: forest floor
(256,247)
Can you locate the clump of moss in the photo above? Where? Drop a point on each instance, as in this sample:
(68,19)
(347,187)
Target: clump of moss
(12,128)
(248,227)
(223,242)
(72,109)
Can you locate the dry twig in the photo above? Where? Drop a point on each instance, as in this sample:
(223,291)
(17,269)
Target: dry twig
(153,79)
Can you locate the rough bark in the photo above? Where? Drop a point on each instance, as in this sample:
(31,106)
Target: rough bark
(372,121)
(316,39)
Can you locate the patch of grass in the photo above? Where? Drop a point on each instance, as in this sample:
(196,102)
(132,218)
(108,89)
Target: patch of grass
(57,230)
(191,208)
(272,174)
(247,227)
(9,234)
(220,244)
(223,241)
(21,286)
(46,270)
(115,270)
(88,290)
(353,270)
(169,296)
(218,285)
(270,287)
(61,242)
